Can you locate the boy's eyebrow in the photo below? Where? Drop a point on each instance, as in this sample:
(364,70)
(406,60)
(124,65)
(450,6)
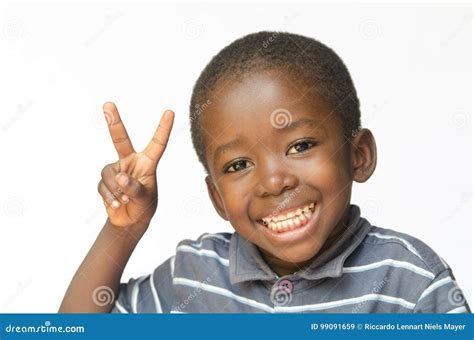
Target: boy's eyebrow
(222,148)
(300,122)
(294,125)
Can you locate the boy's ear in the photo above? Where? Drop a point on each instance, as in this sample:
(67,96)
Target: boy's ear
(216,198)
(364,155)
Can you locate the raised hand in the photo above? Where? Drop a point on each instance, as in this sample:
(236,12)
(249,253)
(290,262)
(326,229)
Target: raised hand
(129,186)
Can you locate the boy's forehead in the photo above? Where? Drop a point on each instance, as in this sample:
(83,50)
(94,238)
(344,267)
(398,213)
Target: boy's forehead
(250,101)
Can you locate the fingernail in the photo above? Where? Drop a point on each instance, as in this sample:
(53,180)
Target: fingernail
(115,204)
(122,180)
(125,199)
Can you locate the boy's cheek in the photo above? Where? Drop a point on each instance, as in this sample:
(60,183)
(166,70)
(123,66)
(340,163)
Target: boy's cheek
(333,183)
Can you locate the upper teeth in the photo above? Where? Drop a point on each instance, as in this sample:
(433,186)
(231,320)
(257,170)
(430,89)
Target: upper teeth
(304,210)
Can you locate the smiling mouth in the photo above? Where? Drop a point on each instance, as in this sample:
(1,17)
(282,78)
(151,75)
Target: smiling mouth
(289,221)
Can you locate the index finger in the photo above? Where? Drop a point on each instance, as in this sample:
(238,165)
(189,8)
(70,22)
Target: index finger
(157,145)
(117,130)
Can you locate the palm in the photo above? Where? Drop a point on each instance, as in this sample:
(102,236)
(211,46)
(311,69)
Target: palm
(138,165)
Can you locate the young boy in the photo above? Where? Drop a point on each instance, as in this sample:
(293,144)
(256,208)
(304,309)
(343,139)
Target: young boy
(275,122)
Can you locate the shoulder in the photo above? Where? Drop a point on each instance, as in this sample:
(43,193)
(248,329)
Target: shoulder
(209,249)
(395,245)
(206,243)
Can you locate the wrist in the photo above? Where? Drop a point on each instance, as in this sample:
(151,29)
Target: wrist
(133,232)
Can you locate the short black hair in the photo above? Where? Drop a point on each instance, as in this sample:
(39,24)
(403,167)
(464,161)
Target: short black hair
(306,58)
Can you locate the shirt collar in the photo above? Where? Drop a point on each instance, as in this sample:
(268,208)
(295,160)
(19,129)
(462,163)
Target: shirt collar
(247,264)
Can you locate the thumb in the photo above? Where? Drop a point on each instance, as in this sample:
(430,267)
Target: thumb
(129,185)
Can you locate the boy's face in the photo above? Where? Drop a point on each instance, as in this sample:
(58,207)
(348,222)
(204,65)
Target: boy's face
(271,167)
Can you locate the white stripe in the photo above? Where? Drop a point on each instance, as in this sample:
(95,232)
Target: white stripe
(435,285)
(338,303)
(155,294)
(203,252)
(206,236)
(135,291)
(405,242)
(223,292)
(461,309)
(392,263)
(120,308)
(319,306)
(176,312)
(172,265)
(444,262)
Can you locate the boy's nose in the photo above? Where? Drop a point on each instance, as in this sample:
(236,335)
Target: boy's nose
(274,183)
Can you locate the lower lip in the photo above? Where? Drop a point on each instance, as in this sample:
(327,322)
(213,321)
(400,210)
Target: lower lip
(292,236)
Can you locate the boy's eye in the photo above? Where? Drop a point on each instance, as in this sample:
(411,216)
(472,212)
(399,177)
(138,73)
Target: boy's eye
(300,147)
(237,166)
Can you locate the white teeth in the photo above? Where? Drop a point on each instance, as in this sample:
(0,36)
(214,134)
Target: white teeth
(289,221)
(273,225)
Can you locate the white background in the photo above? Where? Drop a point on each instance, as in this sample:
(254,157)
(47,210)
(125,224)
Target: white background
(411,65)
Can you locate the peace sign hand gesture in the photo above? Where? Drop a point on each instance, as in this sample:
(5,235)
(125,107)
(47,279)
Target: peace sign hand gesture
(128,186)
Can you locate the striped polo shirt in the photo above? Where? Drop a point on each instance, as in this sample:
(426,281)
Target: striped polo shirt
(367,270)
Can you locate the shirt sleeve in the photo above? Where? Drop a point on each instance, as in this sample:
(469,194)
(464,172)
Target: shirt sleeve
(443,295)
(151,293)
